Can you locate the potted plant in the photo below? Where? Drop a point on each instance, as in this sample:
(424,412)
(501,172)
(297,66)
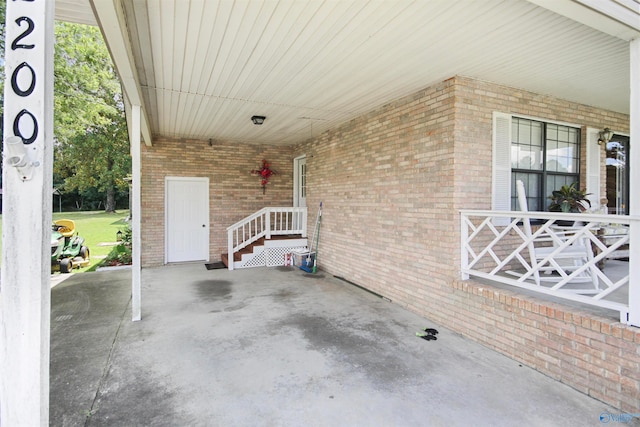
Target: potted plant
(569,199)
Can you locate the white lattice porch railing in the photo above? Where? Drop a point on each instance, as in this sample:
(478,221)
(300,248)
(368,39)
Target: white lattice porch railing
(265,223)
(505,253)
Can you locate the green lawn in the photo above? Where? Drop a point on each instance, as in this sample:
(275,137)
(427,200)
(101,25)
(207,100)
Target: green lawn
(98,229)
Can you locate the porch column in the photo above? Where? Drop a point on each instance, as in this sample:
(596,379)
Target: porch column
(25,285)
(136,211)
(634,184)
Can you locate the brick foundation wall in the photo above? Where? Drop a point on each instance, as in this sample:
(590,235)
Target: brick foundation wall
(233,191)
(392,183)
(595,355)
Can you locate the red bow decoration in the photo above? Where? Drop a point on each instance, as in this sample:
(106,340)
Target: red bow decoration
(265,173)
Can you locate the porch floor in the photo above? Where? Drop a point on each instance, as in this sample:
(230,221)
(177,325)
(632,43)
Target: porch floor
(277,346)
(613,269)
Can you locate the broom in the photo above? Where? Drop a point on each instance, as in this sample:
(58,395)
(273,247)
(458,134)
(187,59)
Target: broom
(315,259)
(306,265)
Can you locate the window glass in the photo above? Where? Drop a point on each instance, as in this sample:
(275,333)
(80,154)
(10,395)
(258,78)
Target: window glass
(526,149)
(562,149)
(545,156)
(532,189)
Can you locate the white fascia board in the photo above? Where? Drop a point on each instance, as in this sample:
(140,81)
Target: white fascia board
(111,22)
(620,18)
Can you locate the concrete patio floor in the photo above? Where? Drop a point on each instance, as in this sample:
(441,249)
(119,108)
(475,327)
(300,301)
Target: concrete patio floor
(277,347)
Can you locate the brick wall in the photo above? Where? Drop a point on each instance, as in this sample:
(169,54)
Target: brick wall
(392,183)
(233,191)
(595,355)
(385,181)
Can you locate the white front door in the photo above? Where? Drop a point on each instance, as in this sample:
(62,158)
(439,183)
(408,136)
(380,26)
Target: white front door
(186,219)
(300,182)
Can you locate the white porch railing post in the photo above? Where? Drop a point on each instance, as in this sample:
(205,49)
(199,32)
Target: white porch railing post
(230,248)
(267,213)
(634,186)
(464,255)
(304,222)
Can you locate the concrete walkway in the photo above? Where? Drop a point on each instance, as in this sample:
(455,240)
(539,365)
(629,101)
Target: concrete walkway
(277,347)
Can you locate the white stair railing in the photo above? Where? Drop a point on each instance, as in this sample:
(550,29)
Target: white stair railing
(265,223)
(501,253)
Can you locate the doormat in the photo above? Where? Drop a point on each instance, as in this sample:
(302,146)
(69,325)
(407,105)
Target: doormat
(215,266)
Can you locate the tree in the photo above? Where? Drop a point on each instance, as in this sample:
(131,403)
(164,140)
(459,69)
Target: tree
(92,147)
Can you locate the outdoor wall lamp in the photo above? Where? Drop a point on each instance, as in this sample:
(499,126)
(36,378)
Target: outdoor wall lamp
(258,120)
(17,155)
(605,136)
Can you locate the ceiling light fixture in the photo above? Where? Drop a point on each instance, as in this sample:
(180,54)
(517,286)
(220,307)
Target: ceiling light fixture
(258,120)
(605,136)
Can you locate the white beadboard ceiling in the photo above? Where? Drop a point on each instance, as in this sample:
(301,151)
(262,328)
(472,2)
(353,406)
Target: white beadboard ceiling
(202,68)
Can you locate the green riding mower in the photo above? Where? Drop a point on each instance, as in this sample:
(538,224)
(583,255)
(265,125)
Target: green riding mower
(67,249)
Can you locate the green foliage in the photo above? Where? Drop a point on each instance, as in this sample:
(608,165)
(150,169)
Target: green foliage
(569,199)
(87,91)
(92,148)
(127,236)
(121,254)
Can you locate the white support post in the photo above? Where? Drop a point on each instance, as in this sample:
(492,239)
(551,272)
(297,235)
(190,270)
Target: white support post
(25,285)
(634,184)
(304,222)
(230,248)
(136,212)
(464,255)
(267,223)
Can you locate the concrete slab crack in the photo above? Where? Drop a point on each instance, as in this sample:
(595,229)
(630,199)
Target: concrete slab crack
(105,370)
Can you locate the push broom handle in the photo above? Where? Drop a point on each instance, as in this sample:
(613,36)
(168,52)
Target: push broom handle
(315,258)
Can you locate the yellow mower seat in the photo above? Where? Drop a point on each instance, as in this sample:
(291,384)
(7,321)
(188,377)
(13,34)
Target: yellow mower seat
(66,227)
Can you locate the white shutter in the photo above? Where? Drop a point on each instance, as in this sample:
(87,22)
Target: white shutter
(594,151)
(501,167)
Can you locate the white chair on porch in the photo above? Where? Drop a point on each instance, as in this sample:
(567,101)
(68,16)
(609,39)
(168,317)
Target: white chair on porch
(550,254)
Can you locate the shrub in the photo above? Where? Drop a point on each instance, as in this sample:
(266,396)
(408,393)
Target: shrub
(120,254)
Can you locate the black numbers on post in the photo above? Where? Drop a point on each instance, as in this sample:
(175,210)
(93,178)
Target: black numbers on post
(16,127)
(15,45)
(21,42)
(14,80)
